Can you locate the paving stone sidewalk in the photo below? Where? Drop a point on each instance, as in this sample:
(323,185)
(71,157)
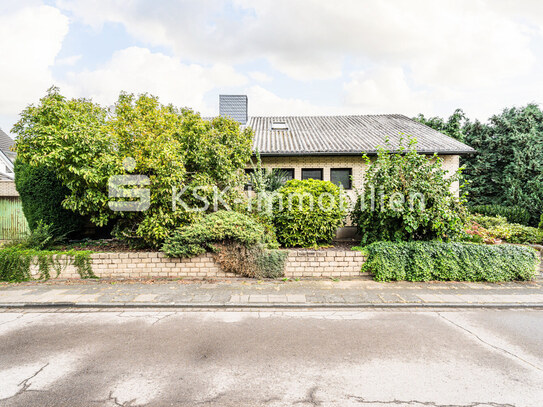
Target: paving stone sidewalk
(246,293)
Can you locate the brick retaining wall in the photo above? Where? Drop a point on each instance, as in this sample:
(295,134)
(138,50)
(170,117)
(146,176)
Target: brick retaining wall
(323,263)
(299,263)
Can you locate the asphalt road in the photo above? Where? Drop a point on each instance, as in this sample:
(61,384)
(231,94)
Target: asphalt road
(480,358)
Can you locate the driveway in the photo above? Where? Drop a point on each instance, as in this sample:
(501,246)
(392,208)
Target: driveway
(480,358)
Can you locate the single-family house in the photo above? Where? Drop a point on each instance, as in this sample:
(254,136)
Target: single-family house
(331,148)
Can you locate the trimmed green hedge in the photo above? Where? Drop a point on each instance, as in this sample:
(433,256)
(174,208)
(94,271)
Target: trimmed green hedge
(41,196)
(513,214)
(425,261)
(307,213)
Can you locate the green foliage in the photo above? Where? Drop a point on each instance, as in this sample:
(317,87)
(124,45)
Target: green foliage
(513,214)
(250,261)
(271,263)
(516,233)
(221,226)
(16,263)
(42,195)
(508,167)
(264,180)
(407,196)
(42,237)
(489,221)
(425,261)
(307,213)
(452,127)
(84,146)
(541,222)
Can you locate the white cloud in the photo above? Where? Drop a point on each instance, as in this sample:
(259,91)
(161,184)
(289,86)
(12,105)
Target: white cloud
(267,103)
(260,76)
(68,61)
(138,70)
(446,43)
(30,38)
(384,90)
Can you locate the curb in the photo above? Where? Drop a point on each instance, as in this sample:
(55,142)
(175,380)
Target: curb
(128,305)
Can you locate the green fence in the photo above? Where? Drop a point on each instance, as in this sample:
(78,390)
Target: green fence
(12,220)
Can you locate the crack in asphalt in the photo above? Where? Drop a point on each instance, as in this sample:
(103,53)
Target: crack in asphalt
(362,400)
(13,320)
(116,401)
(25,383)
(487,343)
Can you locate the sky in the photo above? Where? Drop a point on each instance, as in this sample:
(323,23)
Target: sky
(291,57)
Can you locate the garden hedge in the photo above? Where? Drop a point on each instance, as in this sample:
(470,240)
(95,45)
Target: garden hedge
(307,213)
(41,196)
(513,214)
(435,260)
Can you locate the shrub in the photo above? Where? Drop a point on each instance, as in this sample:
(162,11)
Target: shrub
(42,195)
(307,213)
(515,233)
(424,261)
(489,221)
(85,145)
(41,238)
(541,222)
(513,214)
(221,226)
(252,261)
(406,197)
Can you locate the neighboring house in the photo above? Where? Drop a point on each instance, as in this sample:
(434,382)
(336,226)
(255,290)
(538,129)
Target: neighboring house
(331,148)
(12,220)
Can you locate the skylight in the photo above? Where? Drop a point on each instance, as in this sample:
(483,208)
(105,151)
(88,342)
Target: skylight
(279,125)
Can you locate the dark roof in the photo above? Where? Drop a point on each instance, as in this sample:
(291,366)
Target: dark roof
(5,142)
(347,135)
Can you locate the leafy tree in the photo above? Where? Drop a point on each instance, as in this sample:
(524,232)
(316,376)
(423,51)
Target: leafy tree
(85,145)
(508,167)
(452,127)
(407,196)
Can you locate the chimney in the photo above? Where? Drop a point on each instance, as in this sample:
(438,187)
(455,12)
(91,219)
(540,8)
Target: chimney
(234,106)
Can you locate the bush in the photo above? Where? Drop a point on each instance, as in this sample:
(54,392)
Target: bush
(252,261)
(239,243)
(217,227)
(307,213)
(41,238)
(86,144)
(489,221)
(424,261)
(541,222)
(42,195)
(407,196)
(518,234)
(513,214)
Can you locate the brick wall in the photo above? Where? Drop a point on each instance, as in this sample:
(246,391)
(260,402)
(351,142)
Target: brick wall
(299,263)
(323,263)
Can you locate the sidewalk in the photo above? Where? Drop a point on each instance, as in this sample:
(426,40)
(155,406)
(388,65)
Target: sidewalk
(239,293)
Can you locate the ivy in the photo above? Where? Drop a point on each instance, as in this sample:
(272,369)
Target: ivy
(425,261)
(16,263)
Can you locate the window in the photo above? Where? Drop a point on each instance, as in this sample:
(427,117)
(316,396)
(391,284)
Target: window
(312,173)
(341,176)
(279,125)
(248,172)
(288,172)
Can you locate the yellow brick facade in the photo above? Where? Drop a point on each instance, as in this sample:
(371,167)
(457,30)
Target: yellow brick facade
(356,163)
